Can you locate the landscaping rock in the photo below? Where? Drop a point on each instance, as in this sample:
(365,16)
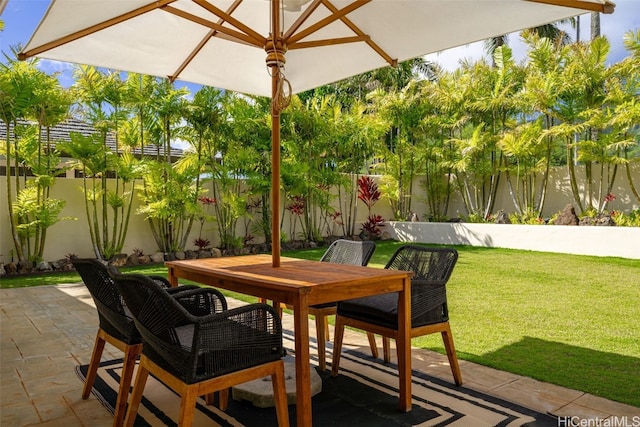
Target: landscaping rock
(567,217)
(25,267)
(133,259)
(67,266)
(600,220)
(157,257)
(180,255)
(61,264)
(11,268)
(204,253)
(502,218)
(43,266)
(119,260)
(144,259)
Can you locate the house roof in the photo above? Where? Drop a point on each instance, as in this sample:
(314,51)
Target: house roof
(62,131)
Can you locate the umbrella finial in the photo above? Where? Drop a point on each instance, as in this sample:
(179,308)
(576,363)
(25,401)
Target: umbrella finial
(275,52)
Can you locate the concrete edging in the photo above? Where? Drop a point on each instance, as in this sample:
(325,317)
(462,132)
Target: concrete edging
(580,240)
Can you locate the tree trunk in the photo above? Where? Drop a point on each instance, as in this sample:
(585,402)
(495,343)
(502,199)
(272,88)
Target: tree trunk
(595,25)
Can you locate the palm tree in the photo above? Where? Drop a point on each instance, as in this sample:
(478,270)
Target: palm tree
(102,103)
(403,110)
(543,82)
(26,93)
(356,88)
(550,31)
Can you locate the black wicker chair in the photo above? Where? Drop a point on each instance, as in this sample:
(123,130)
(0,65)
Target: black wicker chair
(196,353)
(432,268)
(116,326)
(341,251)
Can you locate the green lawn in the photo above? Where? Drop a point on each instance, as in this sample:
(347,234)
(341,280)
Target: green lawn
(570,320)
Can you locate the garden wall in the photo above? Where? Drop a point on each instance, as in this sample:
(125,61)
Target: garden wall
(72,236)
(582,240)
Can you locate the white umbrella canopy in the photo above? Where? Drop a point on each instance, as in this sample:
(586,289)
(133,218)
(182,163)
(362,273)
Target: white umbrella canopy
(252,46)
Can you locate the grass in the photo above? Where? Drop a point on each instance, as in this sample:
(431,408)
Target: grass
(570,320)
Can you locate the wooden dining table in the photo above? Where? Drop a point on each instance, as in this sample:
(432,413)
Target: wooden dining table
(301,283)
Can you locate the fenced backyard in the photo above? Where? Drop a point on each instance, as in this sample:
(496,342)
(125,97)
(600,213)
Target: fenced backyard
(565,319)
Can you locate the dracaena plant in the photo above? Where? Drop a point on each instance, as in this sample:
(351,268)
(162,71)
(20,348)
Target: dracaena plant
(372,225)
(369,194)
(368,191)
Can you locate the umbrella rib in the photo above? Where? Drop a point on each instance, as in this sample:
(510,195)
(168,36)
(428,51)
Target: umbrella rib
(250,32)
(605,7)
(231,34)
(336,14)
(200,45)
(302,18)
(393,62)
(93,29)
(329,42)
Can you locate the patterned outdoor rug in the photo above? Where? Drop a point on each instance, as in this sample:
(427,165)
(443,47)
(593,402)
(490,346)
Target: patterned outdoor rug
(365,393)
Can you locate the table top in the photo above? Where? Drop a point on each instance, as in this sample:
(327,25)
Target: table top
(321,281)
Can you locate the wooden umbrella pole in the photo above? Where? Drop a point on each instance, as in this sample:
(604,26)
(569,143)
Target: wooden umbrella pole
(275,61)
(275,170)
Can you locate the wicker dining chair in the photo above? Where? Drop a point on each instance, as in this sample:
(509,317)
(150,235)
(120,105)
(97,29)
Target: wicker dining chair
(341,251)
(196,351)
(378,314)
(116,326)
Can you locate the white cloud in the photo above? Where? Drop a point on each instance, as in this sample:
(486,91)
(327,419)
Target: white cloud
(625,17)
(64,70)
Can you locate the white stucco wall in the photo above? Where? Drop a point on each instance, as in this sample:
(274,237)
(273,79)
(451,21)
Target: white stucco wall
(581,240)
(72,236)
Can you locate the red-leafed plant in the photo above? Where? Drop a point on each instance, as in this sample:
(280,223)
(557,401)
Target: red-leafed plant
(372,225)
(296,209)
(369,194)
(368,191)
(201,243)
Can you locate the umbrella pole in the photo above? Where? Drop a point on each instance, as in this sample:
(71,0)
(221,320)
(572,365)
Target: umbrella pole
(275,49)
(275,168)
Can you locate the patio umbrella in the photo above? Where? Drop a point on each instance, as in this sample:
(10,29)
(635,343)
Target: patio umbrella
(275,48)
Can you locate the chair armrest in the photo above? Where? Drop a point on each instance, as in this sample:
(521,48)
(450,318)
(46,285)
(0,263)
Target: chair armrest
(182,288)
(201,301)
(162,281)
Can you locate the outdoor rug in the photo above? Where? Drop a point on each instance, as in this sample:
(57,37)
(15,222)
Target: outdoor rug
(365,393)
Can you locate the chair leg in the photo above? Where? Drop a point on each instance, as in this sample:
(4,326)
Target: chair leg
(131,354)
(447,338)
(223,397)
(337,346)
(372,344)
(280,395)
(321,338)
(209,399)
(98,347)
(386,349)
(136,394)
(188,406)
(326,328)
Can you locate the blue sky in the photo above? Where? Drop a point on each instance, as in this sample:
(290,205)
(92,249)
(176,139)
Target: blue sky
(21,17)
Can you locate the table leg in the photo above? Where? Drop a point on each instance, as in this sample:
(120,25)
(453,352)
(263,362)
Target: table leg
(404,344)
(171,276)
(302,360)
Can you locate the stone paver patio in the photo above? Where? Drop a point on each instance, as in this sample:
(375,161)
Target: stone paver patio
(47,331)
